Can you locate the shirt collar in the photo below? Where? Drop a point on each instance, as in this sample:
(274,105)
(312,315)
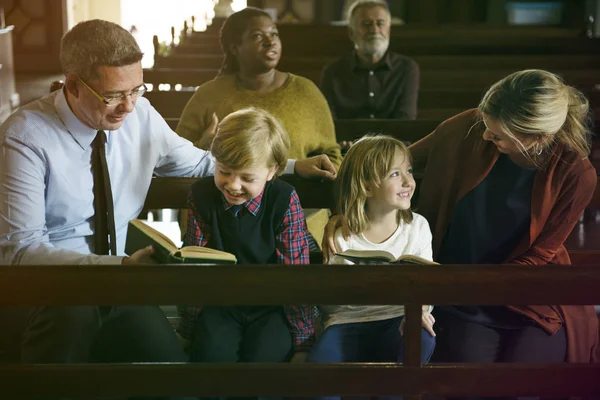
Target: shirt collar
(252,205)
(83,134)
(385,62)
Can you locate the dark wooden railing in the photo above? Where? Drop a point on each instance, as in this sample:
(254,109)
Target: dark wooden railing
(309,284)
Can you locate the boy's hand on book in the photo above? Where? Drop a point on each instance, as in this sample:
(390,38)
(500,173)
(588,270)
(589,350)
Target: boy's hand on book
(142,256)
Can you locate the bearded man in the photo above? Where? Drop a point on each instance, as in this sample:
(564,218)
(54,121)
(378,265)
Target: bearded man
(371,82)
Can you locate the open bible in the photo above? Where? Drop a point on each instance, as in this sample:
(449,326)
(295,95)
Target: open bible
(140,235)
(381,257)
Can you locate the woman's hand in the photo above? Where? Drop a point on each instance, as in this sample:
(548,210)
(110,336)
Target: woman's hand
(328,243)
(208,135)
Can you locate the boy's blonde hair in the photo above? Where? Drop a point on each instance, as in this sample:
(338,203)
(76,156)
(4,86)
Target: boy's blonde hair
(368,161)
(250,137)
(537,103)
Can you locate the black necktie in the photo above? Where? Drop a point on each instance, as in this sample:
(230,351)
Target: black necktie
(104,214)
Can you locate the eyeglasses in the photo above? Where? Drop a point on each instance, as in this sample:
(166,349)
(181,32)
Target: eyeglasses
(112,101)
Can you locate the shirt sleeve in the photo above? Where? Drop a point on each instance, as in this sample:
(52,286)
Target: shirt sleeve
(407,100)
(326,87)
(575,194)
(322,128)
(24,237)
(198,234)
(292,248)
(302,321)
(420,150)
(177,157)
(291,241)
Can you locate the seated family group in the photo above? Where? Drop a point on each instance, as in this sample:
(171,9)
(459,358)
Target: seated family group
(502,184)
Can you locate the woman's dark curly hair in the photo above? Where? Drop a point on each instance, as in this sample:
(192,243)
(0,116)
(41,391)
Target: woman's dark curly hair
(231,33)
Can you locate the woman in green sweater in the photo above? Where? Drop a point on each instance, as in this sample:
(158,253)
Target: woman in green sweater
(249,78)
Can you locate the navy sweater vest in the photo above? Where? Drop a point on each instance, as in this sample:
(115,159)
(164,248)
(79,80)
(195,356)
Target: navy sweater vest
(250,238)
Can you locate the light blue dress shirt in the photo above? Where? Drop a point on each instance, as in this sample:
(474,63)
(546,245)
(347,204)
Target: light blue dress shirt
(46,182)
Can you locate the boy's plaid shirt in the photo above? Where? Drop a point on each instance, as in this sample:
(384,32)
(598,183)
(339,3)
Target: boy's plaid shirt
(291,248)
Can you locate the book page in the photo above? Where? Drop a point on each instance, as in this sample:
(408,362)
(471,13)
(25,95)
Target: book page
(204,252)
(412,259)
(379,254)
(159,237)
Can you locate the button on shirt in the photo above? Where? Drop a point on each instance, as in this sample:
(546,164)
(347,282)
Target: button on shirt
(390,89)
(46,182)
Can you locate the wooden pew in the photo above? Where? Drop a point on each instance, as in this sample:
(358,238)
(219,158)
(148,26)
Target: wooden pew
(430,79)
(406,130)
(426,62)
(73,285)
(432,104)
(352,129)
(412,31)
(440,42)
(286,284)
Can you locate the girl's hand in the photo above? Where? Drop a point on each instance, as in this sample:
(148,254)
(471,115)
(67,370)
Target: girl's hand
(427,321)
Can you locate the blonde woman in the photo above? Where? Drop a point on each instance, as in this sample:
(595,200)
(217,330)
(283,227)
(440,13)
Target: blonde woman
(505,184)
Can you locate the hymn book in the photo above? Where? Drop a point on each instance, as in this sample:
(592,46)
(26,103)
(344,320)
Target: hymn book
(140,235)
(381,257)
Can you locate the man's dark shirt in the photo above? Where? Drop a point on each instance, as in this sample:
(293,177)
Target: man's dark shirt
(390,89)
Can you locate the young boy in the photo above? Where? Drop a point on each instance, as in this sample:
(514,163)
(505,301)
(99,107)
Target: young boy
(245,211)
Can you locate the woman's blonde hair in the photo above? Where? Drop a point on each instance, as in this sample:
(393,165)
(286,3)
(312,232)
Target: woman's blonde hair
(538,103)
(250,137)
(367,162)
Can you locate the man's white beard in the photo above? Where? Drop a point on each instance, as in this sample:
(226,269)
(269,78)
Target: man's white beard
(373,47)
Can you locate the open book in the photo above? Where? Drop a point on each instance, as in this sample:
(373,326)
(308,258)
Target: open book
(140,235)
(381,257)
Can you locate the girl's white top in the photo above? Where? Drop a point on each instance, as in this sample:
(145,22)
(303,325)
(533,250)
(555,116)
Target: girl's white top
(414,238)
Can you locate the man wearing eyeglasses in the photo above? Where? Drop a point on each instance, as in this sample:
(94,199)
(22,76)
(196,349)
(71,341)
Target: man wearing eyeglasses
(47,199)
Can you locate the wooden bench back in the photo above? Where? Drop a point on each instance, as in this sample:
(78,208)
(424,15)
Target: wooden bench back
(432,104)
(287,284)
(194,59)
(430,79)
(439,44)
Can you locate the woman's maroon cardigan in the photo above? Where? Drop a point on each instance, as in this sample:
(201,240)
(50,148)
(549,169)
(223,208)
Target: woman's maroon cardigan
(457,159)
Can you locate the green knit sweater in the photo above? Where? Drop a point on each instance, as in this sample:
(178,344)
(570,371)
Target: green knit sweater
(298,104)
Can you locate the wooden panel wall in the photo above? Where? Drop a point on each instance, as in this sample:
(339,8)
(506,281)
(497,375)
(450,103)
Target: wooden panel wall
(7,74)
(39,26)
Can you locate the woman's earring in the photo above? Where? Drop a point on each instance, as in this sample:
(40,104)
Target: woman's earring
(538,149)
